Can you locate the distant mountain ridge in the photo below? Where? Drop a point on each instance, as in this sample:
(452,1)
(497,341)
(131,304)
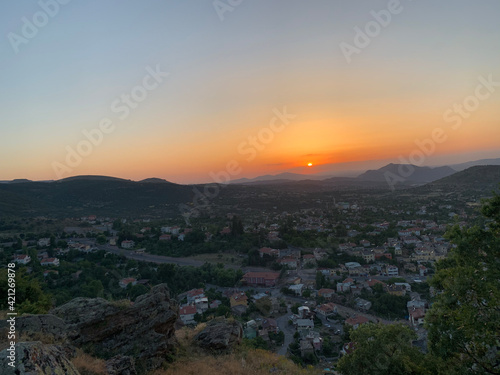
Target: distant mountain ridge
(463,166)
(410,173)
(482,176)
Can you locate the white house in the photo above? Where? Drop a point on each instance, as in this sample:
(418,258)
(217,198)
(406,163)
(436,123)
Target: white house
(22,259)
(297,289)
(187,313)
(392,271)
(50,262)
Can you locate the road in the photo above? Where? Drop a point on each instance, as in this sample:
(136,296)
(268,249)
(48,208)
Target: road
(287,330)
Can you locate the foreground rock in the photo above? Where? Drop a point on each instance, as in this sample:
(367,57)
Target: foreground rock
(219,335)
(121,365)
(37,358)
(143,330)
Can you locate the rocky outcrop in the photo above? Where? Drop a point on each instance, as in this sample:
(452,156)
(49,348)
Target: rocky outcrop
(143,330)
(121,365)
(43,327)
(219,335)
(33,358)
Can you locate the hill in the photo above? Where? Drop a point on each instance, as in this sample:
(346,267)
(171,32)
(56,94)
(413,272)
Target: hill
(483,177)
(85,195)
(420,174)
(463,166)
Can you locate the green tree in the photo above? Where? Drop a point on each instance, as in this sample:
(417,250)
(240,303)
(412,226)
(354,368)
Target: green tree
(464,321)
(383,350)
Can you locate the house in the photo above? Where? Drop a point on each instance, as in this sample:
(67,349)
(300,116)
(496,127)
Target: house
(238,299)
(353,268)
(356,321)
(297,289)
(125,282)
(50,272)
(306,348)
(365,243)
(289,262)
(267,251)
(165,237)
(368,256)
(43,242)
(363,304)
(261,278)
(194,294)
(304,312)
(326,309)
(395,290)
(422,270)
(270,325)
(187,313)
(128,244)
(343,287)
(22,259)
(309,258)
(201,304)
(304,325)
(175,230)
(416,316)
(50,262)
(392,271)
(370,283)
(326,293)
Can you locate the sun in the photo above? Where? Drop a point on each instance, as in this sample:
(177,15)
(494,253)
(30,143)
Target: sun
(309,164)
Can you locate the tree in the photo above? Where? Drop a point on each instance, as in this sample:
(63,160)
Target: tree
(464,321)
(383,350)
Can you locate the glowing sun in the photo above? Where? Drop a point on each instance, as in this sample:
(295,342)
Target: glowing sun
(309,164)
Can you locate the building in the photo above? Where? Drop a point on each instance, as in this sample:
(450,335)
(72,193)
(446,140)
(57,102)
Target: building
(304,326)
(22,259)
(50,262)
(267,251)
(270,325)
(326,293)
(363,304)
(194,294)
(44,242)
(201,304)
(392,271)
(326,309)
(355,322)
(125,282)
(416,316)
(165,237)
(297,289)
(261,278)
(187,313)
(128,244)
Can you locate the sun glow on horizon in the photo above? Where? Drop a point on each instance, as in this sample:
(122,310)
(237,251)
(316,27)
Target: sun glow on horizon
(309,164)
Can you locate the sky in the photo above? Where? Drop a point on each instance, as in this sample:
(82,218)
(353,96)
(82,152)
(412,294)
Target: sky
(189,90)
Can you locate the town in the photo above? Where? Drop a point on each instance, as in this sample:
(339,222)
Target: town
(298,281)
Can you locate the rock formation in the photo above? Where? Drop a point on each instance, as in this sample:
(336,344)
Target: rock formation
(141,332)
(219,335)
(37,358)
